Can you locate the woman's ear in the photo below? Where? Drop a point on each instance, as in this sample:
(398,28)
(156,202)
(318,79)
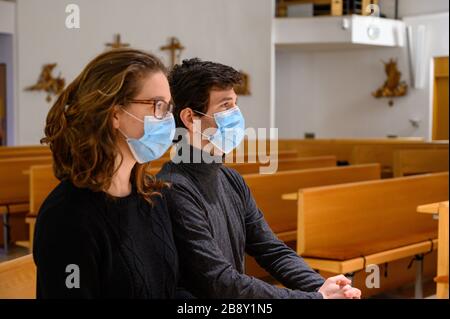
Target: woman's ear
(116,116)
(187,117)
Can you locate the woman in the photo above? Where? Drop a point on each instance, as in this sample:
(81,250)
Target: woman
(104,231)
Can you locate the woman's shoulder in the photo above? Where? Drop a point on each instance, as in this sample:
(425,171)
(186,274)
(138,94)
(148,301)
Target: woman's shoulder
(66,205)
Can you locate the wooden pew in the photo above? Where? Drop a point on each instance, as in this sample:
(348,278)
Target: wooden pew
(344,149)
(411,162)
(442,270)
(18,278)
(282,215)
(342,228)
(440,210)
(24,151)
(286,165)
(42,182)
(283,165)
(281,155)
(367,150)
(341,148)
(14,188)
(268,189)
(252,156)
(384,153)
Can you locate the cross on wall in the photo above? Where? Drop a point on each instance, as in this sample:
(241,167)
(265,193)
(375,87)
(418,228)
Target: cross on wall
(175,48)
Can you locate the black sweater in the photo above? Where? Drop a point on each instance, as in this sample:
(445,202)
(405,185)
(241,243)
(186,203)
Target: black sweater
(216,221)
(122,247)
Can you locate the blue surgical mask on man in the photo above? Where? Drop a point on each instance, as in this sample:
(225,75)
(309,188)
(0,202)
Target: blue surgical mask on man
(157,138)
(230,129)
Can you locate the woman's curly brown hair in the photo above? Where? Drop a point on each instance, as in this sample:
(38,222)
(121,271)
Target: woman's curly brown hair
(79,126)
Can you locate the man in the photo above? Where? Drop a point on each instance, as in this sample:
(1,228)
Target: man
(215,218)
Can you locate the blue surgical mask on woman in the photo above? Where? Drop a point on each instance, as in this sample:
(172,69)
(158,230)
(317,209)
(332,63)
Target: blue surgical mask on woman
(230,129)
(157,138)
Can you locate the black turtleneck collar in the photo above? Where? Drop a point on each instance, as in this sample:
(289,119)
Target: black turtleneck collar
(197,161)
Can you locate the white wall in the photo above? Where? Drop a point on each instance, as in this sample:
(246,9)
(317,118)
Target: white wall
(7,17)
(329,93)
(422,7)
(7,57)
(413,7)
(7,40)
(233,32)
(436,45)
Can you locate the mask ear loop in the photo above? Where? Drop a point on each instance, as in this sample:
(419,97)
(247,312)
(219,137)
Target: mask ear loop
(203,134)
(203,114)
(212,117)
(200,132)
(133,116)
(123,134)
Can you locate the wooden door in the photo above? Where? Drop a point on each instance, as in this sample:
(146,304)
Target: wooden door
(2,104)
(440,116)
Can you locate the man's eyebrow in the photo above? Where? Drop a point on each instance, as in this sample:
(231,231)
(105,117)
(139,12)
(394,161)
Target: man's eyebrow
(226,99)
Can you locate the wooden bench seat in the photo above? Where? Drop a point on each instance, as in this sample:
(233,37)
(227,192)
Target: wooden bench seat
(367,248)
(18,278)
(339,225)
(350,266)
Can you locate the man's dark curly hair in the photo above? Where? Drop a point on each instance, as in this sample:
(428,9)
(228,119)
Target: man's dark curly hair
(192,81)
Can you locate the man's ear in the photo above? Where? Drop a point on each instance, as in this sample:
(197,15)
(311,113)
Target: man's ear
(116,116)
(187,117)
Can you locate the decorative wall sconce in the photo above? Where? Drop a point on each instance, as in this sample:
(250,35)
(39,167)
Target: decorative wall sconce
(393,86)
(48,83)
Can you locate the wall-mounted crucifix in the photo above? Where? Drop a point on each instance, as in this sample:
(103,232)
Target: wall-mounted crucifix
(175,49)
(117,43)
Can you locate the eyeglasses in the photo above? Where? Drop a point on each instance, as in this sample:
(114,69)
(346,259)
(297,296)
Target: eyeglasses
(160,108)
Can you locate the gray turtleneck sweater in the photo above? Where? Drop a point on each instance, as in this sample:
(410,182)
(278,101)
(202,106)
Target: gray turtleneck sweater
(215,222)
